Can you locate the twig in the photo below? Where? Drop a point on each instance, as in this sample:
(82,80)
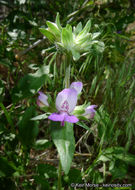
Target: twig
(51,161)
(17,56)
(44,153)
(9,106)
(124,38)
(81,139)
(83,154)
(85,6)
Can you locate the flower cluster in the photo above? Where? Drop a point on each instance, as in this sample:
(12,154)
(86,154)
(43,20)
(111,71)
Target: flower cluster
(66,101)
(74,41)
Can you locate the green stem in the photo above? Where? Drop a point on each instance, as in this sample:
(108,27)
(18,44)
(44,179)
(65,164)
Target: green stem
(59,177)
(8,117)
(67,84)
(67,70)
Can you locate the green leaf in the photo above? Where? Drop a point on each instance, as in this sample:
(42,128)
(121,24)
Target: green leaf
(30,84)
(48,34)
(76,55)
(52,27)
(121,154)
(119,170)
(93,84)
(40,117)
(86,28)
(78,28)
(69,27)
(42,144)
(67,38)
(95,35)
(63,138)
(47,170)
(105,158)
(40,180)
(45,173)
(82,124)
(32,22)
(75,176)
(58,22)
(127,158)
(98,46)
(28,129)
(6,168)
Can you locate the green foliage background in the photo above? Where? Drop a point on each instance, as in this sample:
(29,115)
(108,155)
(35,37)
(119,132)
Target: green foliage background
(105,147)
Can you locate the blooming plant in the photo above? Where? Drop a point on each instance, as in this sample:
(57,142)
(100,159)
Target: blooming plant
(65,112)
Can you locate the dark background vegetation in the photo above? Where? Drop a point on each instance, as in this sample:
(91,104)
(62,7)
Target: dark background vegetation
(106,153)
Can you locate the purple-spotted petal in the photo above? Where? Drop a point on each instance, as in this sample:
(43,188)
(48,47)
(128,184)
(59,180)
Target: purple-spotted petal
(77,86)
(42,99)
(56,117)
(71,119)
(66,100)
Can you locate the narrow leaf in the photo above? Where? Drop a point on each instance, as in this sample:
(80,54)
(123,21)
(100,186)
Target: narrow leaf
(48,34)
(52,27)
(58,22)
(86,28)
(67,38)
(40,117)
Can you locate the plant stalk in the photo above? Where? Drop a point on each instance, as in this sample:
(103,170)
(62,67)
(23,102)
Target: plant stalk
(67,70)
(59,177)
(67,84)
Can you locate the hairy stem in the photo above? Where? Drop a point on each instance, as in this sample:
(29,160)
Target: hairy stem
(67,70)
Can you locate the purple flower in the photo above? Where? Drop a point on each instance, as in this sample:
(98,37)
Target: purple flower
(77,86)
(42,100)
(90,111)
(66,101)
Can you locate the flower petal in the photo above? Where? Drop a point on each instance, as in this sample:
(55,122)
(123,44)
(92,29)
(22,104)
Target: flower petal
(90,111)
(66,100)
(71,119)
(40,104)
(77,86)
(42,99)
(56,117)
